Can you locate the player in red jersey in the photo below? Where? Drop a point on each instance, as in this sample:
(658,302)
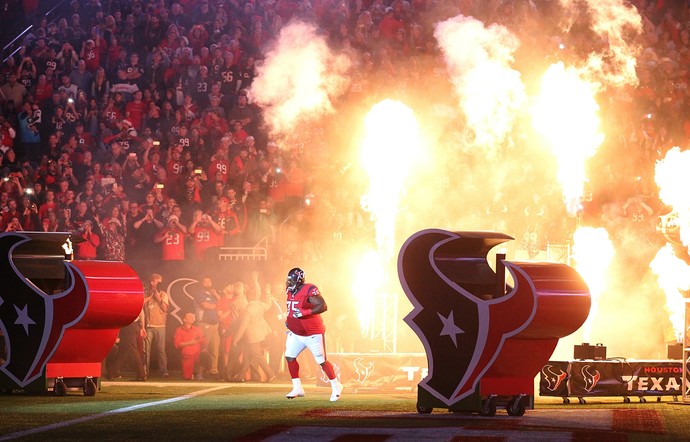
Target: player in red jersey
(306,330)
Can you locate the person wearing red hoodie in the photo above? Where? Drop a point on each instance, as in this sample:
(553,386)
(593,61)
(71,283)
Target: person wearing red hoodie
(189,340)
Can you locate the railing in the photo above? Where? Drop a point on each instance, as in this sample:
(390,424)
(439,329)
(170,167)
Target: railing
(259,252)
(15,45)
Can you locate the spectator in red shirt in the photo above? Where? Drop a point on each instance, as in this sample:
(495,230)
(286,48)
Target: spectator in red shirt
(189,340)
(88,249)
(171,237)
(135,111)
(207,234)
(91,55)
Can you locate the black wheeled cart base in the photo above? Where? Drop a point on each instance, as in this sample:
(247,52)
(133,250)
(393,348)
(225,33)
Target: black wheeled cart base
(485,405)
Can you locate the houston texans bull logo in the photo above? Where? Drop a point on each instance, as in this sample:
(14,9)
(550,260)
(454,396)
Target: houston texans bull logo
(590,377)
(363,370)
(32,321)
(553,377)
(462,333)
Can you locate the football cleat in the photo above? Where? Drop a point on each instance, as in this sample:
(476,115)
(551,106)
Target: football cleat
(296,392)
(335,395)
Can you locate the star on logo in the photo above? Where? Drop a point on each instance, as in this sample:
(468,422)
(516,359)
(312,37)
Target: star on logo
(23,318)
(449,327)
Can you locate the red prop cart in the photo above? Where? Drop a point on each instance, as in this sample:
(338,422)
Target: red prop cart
(59,317)
(485,341)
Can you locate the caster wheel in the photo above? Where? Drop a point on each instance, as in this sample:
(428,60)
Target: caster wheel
(566,400)
(642,400)
(658,399)
(626,400)
(581,400)
(515,407)
(89,387)
(60,389)
(424,410)
(488,407)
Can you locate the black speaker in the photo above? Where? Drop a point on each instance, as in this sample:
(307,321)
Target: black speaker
(587,351)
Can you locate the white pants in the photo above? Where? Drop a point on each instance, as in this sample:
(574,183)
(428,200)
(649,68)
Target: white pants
(294,344)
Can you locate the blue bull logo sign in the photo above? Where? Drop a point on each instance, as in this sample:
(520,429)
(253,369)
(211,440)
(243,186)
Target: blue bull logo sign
(483,339)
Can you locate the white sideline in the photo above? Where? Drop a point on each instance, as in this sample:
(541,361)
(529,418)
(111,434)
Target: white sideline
(79,420)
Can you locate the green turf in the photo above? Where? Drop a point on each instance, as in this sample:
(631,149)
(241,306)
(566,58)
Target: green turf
(250,411)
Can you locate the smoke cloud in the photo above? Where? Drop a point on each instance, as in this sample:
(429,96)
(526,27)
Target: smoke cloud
(485,166)
(489,91)
(299,78)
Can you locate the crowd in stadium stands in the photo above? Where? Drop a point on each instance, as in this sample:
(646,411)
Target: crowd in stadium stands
(132,117)
(128,122)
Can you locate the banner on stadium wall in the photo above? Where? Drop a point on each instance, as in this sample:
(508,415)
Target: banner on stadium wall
(371,371)
(611,378)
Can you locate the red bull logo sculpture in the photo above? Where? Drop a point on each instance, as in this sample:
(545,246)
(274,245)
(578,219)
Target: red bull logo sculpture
(485,341)
(59,318)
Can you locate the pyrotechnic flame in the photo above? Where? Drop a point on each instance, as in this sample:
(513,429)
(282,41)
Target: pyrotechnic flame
(367,285)
(617,23)
(593,253)
(671,175)
(299,77)
(389,151)
(566,114)
(478,61)
(673,276)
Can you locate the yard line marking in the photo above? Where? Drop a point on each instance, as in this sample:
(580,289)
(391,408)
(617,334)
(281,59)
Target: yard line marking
(79,420)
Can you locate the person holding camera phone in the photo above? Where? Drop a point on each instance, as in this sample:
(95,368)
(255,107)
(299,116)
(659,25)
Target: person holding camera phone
(27,73)
(88,249)
(30,219)
(172,239)
(145,230)
(207,234)
(14,225)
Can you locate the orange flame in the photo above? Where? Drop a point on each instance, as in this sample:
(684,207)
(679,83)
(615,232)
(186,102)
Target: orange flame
(593,253)
(673,276)
(389,150)
(566,114)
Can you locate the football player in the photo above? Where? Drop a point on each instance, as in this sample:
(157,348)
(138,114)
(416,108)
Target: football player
(306,330)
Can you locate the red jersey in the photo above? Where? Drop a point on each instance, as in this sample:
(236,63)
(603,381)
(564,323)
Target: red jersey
(205,237)
(306,325)
(174,169)
(229,222)
(216,166)
(173,245)
(92,59)
(135,112)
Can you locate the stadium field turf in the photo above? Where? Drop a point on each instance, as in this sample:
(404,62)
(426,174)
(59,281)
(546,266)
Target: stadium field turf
(224,411)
